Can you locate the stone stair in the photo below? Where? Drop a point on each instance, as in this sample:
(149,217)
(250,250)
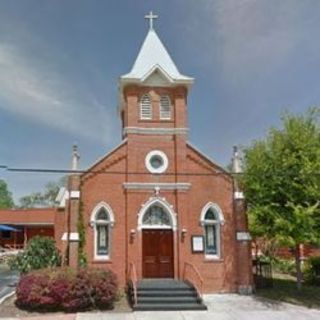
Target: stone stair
(167,294)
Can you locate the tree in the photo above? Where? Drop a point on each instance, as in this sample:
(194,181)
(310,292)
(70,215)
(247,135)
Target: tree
(43,199)
(6,201)
(40,253)
(282,183)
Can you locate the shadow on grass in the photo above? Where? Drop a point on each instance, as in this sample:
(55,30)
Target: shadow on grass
(285,290)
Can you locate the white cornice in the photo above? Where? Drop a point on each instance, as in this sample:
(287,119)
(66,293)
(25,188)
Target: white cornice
(159,186)
(162,131)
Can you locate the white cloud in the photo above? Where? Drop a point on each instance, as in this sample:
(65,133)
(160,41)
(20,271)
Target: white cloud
(35,90)
(249,39)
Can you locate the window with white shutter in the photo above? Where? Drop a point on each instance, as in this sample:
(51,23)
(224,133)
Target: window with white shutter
(165,108)
(145,107)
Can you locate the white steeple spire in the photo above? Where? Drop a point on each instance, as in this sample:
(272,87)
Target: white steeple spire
(154,57)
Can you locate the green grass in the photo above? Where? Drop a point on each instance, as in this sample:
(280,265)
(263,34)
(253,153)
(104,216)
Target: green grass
(285,290)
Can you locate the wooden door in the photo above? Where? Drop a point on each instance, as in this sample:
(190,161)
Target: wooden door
(157,253)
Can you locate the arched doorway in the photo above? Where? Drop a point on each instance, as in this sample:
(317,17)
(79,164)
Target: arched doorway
(157,241)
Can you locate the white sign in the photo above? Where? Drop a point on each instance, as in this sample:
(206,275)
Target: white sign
(243,236)
(197,243)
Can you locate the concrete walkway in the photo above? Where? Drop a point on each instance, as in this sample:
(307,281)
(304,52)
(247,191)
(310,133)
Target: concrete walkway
(220,307)
(8,279)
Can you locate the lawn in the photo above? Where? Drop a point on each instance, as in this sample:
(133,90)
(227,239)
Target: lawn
(285,290)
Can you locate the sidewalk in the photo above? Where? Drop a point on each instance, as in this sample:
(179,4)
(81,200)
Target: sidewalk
(7,280)
(220,307)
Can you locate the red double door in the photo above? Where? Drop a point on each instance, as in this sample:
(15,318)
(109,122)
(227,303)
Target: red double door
(157,253)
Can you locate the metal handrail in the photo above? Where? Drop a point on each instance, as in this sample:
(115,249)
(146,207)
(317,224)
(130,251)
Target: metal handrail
(199,287)
(134,279)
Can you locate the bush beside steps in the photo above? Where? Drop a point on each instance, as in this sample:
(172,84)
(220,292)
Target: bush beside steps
(66,289)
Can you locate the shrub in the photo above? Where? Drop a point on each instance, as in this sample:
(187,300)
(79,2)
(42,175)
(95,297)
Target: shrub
(40,253)
(284,265)
(312,271)
(67,289)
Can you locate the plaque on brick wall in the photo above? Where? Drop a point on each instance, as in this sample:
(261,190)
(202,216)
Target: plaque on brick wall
(197,244)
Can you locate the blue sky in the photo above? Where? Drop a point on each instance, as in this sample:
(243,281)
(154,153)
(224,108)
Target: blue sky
(60,62)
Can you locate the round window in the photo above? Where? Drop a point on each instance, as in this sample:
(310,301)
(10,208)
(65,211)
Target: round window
(156,161)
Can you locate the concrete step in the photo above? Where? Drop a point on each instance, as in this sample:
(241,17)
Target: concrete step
(167,293)
(162,284)
(168,300)
(168,307)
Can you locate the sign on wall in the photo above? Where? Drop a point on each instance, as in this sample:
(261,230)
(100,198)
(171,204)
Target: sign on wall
(197,244)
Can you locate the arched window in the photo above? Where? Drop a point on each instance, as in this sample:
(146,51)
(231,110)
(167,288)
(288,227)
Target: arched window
(102,220)
(165,108)
(145,107)
(157,213)
(156,216)
(211,220)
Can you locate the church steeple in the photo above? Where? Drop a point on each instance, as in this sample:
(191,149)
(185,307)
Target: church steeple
(154,58)
(153,95)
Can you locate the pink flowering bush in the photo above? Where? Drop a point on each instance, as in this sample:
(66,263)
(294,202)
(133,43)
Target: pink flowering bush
(67,289)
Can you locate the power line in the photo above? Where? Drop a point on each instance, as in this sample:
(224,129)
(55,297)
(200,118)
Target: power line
(102,171)
(66,171)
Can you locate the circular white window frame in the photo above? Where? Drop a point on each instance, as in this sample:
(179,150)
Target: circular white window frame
(162,155)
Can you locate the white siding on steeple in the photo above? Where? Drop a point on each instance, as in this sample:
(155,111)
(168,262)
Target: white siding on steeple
(165,108)
(145,107)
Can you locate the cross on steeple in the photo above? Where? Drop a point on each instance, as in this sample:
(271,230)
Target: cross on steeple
(151,17)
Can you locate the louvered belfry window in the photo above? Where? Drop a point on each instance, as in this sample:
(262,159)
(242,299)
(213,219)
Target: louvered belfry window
(165,108)
(145,107)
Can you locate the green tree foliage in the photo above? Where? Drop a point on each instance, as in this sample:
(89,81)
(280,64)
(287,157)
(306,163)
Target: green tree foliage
(6,201)
(282,183)
(45,198)
(40,253)
(82,258)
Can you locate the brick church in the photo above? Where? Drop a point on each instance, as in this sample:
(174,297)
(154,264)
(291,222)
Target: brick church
(155,206)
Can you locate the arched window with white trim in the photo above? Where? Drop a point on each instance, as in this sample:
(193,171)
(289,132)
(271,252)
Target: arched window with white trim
(157,213)
(102,220)
(145,107)
(156,216)
(211,221)
(165,108)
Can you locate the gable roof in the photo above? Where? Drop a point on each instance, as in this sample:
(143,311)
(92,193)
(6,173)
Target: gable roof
(208,159)
(153,56)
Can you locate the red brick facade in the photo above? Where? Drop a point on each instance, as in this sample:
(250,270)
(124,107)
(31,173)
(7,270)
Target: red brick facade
(117,192)
(107,182)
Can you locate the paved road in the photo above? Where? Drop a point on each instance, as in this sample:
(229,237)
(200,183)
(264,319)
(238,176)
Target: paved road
(7,279)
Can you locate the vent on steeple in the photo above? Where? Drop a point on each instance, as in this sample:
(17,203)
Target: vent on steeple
(165,108)
(145,107)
